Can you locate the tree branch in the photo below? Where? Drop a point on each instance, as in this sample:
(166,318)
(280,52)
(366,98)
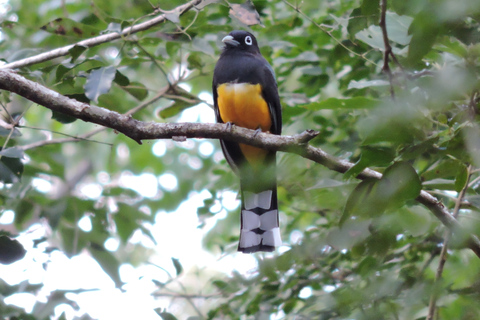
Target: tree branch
(432,306)
(92,42)
(139,130)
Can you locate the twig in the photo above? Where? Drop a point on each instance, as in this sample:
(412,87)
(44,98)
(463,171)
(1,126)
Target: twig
(91,42)
(327,32)
(443,254)
(388,47)
(185,296)
(154,61)
(87,135)
(139,130)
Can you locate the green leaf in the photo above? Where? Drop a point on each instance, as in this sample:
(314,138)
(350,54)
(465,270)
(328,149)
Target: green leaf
(61,71)
(10,250)
(167,316)
(99,82)
(361,201)
(371,8)
(137,90)
(371,197)
(62,118)
(195,61)
(424,30)
(11,169)
(121,79)
(335,103)
(107,261)
(13,152)
(351,233)
(415,220)
(461,178)
(125,222)
(174,109)
(76,51)
(400,182)
(357,22)
(23,213)
(68,27)
(446,169)
(371,156)
(178,266)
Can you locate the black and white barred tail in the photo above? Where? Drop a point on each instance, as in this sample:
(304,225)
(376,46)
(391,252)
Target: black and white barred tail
(259,219)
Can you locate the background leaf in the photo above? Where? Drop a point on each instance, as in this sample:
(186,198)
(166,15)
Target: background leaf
(99,82)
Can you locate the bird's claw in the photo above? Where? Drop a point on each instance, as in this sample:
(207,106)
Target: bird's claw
(257,132)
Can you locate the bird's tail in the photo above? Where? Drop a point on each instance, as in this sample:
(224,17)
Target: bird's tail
(259,219)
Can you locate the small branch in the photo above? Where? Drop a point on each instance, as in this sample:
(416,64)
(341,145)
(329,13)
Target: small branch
(86,136)
(139,130)
(83,137)
(186,296)
(92,42)
(432,306)
(388,47)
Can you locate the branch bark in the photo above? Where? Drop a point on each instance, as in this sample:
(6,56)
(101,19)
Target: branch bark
(139,130)
(92,42)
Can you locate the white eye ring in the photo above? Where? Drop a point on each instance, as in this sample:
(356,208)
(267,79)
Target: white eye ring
(248,40)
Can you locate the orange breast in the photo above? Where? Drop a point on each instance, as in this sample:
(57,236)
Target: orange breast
(243,105)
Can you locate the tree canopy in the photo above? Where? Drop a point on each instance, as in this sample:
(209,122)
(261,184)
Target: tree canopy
(104,120)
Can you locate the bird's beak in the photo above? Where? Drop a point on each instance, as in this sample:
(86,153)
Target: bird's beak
(230,41)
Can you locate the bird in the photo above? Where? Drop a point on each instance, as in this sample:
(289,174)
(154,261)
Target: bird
(245,94)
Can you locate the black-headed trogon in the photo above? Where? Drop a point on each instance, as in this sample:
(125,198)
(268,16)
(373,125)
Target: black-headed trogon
(245,94)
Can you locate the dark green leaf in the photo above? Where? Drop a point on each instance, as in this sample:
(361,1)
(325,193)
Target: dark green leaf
(62,118)
(399,183)
(10,250)
(178,266)
(357,22)
(167,316)
(371,8)
(68,27)
(362,201)
(461,179)
(137,90)
(108,262)
(121,79)
(76,51)
(11,169)
(371,156)
(424,30)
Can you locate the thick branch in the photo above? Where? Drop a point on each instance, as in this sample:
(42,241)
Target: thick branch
(139,130)
(92,42)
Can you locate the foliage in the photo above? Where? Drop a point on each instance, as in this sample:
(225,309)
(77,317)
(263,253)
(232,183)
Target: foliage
(353,250)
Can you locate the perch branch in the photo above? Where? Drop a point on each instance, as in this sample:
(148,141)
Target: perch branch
(139,130)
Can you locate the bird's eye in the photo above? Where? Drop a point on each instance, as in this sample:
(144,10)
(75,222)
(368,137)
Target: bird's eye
(248,40)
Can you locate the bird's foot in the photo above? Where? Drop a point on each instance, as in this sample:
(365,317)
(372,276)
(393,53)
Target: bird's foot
(257,132)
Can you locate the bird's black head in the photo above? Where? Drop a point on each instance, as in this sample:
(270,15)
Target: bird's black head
(241,40)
